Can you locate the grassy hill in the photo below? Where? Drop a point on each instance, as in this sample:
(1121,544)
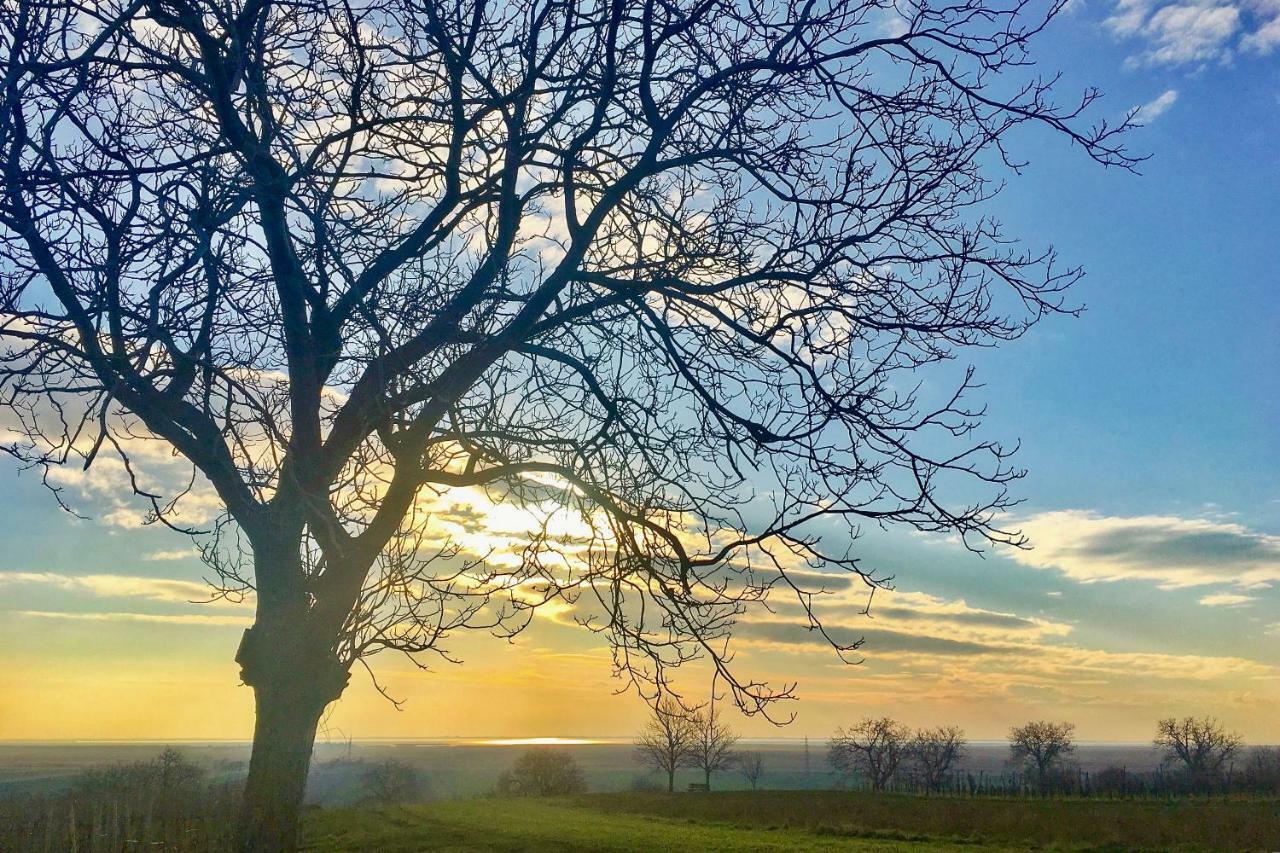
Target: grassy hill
(798,820)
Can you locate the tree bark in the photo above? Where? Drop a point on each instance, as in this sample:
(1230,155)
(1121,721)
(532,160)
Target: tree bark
(283,737)
(294,678)
(671,781)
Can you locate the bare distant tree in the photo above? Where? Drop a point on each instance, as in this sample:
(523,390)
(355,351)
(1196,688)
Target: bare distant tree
(392,781)
(751,766)
(713,742)
(667,741)
(543,772)
(1203,746)
(174,771)
(1262,770)
(934,752)
(874,746)
(639,263)
(1041,746)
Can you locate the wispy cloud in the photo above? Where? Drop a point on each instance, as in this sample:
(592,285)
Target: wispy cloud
(1152,110)
(1226,599)
(1263,40)
(1051,664)
(925,614)
(1196,31)
(165,556)
(1170,551)
(209,620)
(168,590)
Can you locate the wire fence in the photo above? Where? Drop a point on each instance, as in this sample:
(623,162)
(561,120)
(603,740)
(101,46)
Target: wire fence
(85,823)
(1110,782)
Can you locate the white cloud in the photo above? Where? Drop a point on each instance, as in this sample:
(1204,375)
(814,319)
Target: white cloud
(157,618)
(1129,17)
(175,554)
(1226,599)
(1152,110)
(1190,33)
(1266,37)
(1049,664)
(1196,31)
(168,590)
(1170,551)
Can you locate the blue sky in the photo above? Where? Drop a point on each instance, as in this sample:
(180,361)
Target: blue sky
(1150,427)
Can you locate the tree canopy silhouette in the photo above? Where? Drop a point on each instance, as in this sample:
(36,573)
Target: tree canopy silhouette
(1203,746)
(667,267)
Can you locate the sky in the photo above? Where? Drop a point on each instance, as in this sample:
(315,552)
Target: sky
(1150,428)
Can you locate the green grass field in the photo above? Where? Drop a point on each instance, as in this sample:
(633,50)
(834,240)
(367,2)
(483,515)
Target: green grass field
(798,820)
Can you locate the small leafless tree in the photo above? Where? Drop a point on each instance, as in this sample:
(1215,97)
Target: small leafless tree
(751,766)
(934,752)
(1262,770)
(1041,746)
(713,742)
(293,272)
(392,781)
(874,747)
(667,741)
(1203,746)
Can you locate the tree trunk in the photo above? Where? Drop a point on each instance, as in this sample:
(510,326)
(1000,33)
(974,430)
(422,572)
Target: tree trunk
(283,737)
(708,774)
(671,781)
(294,678)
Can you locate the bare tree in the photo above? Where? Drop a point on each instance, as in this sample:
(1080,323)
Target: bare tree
(713,742)
(874,747)
(1041,745)
(543,773)
(631,263)
(392,781)
(666,742)
(1203,746)
(934,752)
(751,766)
(1262,770)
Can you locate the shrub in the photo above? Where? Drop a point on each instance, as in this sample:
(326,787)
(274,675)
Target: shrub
(542,773)
(1116,782)
(646,785)
(391,781)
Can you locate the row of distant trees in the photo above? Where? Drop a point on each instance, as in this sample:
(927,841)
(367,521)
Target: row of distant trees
(878,748)
(1199,752)
(673,738)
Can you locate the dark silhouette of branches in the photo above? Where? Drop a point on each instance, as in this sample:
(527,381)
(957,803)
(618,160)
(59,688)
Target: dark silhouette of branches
(934,752)
(668,270)
(713,743)
(874,747)
(1042,746)
(751,766)
(1202,746)
(667,741)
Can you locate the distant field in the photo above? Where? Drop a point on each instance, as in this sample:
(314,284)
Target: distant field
(461,769)
(502,825)
(799,820)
